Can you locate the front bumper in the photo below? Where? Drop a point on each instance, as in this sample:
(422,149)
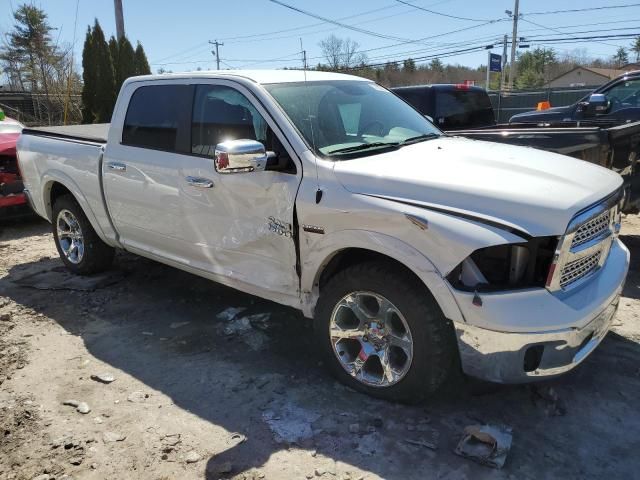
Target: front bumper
(519,355)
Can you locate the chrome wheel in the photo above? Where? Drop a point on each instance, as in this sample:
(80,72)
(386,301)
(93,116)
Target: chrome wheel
(70,236)
(371,339)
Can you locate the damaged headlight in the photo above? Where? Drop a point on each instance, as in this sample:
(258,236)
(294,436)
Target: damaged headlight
(506,267)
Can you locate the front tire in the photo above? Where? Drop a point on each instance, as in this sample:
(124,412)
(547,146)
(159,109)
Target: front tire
(78,244)
(381,332)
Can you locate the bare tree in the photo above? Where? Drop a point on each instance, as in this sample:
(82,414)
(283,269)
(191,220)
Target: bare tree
(33,62)
(341,53)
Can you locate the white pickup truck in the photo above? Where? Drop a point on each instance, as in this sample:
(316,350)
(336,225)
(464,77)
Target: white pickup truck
(416,253)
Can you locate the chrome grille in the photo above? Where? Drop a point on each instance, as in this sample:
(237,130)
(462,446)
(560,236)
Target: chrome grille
(594,228)
(579,268)
(585,246)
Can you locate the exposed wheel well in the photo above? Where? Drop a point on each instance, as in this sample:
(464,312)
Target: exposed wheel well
(56,191)
(353,256)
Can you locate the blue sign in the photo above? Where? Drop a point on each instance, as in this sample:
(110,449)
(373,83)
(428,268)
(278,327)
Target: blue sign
(495,62)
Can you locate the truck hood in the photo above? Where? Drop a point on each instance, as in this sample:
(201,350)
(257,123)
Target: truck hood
(530,190)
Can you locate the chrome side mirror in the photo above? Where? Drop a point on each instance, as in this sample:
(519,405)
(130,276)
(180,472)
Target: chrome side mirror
(428,117)
(240,156)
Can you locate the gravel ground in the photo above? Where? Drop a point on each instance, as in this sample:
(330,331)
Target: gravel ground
(178,386)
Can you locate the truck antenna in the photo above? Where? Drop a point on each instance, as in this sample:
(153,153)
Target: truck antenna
(313,140)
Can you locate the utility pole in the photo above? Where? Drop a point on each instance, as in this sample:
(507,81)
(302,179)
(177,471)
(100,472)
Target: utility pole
(119,18)
(504,61)
(513,69)
(486,85)
(217,53)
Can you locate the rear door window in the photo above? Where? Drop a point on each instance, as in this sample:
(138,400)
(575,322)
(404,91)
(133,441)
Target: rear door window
(463,108)
(156,115)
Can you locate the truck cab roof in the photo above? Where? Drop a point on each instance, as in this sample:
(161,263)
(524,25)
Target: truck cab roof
(256,76)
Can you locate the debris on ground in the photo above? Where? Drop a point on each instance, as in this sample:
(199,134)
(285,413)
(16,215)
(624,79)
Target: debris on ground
(103,378)
(422,443)
(192,457)
(110,437)
(292,424)
(175,325)
(81,407)
(230,313)
(243,328)
(485,444)
(59,278)
(549,398)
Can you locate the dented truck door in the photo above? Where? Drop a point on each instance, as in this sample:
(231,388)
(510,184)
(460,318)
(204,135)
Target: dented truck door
(239,225)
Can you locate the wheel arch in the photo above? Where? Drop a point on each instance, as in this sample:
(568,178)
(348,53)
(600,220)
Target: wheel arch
(352,247)
(55,186)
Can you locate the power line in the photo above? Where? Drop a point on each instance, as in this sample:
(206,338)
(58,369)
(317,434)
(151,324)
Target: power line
(484,47)
(308,26)
(442,14)
(559,31)
(573,10)
(335,22)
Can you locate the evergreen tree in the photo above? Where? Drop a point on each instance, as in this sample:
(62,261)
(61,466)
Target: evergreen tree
(635,47)
(114,52)
(89,79)
(409,65)
(126,63)
(142,64)
(621,57)
(105,97)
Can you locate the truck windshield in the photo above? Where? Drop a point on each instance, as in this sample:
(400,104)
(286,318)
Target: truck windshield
(350,118)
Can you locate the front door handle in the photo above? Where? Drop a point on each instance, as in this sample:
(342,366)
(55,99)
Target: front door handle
(118,167)
(199,182)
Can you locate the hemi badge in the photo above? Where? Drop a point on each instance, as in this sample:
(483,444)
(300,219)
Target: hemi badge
(313,229)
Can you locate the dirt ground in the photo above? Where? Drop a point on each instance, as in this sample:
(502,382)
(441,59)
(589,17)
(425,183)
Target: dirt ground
(202,391)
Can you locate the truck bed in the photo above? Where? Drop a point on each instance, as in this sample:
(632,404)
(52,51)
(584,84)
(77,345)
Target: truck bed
(95,133)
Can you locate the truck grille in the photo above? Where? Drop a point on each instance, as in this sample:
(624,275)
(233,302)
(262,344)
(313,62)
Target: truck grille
(579,268)
(585,246)
(592,229)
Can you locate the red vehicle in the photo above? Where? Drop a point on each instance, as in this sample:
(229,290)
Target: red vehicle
(13,201)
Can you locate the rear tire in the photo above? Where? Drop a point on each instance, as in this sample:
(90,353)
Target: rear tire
(397,320)
(78,244)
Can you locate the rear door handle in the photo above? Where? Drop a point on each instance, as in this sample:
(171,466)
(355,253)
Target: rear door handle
(199,182)
(118,167)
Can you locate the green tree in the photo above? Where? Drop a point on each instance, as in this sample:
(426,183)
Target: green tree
(89,79)
(436,65)
(114,52)
(142,64)
(533,66)
(409,65)
(621,57)
(125,66)
(635,47)
(105,82)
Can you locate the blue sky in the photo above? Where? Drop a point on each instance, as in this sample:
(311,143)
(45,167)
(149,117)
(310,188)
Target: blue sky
(175,35)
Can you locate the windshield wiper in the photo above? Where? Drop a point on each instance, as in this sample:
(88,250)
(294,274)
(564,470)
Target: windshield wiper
(364,146)
(419,138)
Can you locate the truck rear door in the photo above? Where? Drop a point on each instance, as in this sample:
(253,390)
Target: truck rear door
(141,183)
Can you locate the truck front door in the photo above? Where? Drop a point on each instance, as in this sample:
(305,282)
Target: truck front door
(238,225)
